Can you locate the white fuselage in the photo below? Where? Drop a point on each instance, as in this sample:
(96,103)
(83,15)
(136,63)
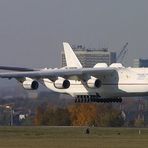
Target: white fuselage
(125,82)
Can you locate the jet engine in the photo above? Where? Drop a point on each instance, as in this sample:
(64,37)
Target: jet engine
(30,84)
(94,83)
(62,83)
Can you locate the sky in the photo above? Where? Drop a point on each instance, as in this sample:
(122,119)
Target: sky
(32,31)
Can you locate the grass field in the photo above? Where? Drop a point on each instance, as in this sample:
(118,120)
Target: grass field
(72,137)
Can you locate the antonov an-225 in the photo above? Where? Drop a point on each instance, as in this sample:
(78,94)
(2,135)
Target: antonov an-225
(102,83)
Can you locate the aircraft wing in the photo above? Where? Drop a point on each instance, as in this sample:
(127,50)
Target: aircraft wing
(16,68)
(54,73)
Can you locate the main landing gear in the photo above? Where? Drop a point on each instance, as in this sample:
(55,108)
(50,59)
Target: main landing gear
(97,99)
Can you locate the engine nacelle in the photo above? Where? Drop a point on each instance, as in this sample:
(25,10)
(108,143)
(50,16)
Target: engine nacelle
(94,83)
(30,84)
(62,83)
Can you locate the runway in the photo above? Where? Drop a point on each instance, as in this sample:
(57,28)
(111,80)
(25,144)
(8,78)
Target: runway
(72,137)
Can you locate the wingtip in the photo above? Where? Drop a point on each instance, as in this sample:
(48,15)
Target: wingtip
(66,46)
(65,43)
(71,58)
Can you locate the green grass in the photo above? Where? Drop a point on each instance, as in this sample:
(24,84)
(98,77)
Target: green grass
(72,137)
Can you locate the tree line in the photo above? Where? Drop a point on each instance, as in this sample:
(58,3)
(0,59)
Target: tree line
(78,115)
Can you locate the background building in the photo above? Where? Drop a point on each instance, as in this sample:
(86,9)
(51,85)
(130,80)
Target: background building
(142,103)
(90,57)
(140,63)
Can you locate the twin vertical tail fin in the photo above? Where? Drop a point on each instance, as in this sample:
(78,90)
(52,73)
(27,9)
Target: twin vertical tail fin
(71,58)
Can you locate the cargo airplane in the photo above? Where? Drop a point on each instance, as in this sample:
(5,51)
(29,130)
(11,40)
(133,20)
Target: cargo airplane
(102,83)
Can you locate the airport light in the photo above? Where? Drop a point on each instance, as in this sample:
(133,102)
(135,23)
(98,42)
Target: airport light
(11,112)
(7,107)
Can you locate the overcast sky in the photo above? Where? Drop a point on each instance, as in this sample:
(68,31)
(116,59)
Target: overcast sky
(32,31)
